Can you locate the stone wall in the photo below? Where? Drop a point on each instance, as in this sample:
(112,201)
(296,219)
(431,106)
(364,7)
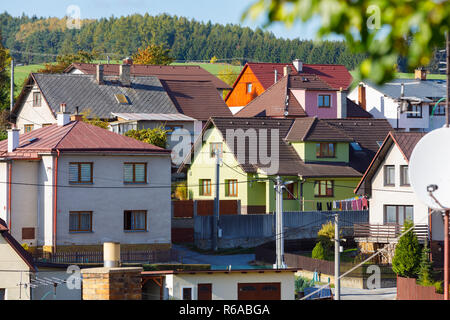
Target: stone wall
(112,284)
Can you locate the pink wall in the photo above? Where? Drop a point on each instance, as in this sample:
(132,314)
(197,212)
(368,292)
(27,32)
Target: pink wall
(309,100)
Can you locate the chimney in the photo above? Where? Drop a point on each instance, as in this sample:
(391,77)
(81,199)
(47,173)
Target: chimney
(76,116)
(285,71)
(298,65)
(420,74)
(13,139)
(99,74)
(128,60)
(125,75)
(402,90)
(362,96)
(111,254)
(276,76)
(341,104)
(62,116)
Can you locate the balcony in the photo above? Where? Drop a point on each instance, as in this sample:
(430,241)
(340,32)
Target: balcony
(387,233)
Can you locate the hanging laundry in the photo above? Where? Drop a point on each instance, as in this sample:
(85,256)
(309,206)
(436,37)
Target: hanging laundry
(329,206)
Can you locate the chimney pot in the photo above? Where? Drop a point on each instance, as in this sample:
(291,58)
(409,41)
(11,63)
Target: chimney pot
(111,254)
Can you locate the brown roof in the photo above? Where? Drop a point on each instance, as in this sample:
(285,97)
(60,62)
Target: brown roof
(25,255)
(405,141)
(165,272)
(187,73)
(196,99)
(75,136)
(314,129)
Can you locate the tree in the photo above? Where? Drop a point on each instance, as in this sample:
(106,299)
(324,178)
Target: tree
(63,61)
(156,136)
(425,275)
(90,118)
(319,252)
(153,54)
(383,29)
(5,61)
(406,260)
(213,60)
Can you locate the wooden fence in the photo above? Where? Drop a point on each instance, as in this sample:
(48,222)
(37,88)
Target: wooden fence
(183,209)
(96,257)
(408,289)
(387,232)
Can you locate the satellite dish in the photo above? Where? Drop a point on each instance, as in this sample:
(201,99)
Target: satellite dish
(429,169)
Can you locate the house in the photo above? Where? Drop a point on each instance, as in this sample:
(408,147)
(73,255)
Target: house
(255,78)
(71,186)
(163,73)
(323,159)
(302,95)
(233,284)
(392,201)
(17,267)
(104,95)
(409,104)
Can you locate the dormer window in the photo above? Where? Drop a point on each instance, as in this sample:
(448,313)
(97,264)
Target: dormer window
(324,101)
(325,150)
(121,99)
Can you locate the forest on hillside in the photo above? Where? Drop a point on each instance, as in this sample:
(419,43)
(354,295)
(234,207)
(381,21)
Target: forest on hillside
(188,40)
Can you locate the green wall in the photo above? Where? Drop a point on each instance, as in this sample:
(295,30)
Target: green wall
(307,151)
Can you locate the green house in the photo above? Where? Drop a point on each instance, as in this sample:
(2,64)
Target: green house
(319,160)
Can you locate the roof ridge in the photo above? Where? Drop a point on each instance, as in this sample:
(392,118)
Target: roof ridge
(62,138)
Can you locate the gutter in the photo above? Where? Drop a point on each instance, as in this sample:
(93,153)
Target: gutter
(55,200)
(9,194)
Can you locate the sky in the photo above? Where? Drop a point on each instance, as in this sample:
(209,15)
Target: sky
(217,11)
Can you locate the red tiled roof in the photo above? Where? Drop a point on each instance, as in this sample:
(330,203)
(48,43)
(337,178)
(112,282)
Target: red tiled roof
(336,76)
(192,73)
(26,256)
(75,136)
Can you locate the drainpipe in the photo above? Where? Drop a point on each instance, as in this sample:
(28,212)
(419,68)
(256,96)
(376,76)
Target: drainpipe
(55,201)
(9,194)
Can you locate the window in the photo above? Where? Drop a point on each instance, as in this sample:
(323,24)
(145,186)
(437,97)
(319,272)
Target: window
(80,172)
(121,99)
(324,101)
(213,146)
(404,176)
(205,187)
(46,125)
(292,191)
(28,128)
(355,146)
(187,294)
(398,214)
(249,87)
(323,188)
(2,294)
(389,175)
(414,111)
(325,150)
(80,221)
(231,188)
(36,99)
(439,111)
(135,172)
(135,220)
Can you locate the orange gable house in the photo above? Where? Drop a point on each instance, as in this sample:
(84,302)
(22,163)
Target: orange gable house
(255,78)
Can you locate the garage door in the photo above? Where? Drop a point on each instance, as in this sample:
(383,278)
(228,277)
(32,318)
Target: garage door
(259,291)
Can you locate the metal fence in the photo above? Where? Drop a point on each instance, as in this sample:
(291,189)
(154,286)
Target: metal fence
(297,225)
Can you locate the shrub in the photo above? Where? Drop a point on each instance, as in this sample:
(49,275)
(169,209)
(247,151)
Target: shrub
(425,274)
(319,252)
(156,136)
(406,260)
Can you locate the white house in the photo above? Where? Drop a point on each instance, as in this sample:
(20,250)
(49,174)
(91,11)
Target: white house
(16,267)
(392,201)
(73,186)
(248,284)
(409,104)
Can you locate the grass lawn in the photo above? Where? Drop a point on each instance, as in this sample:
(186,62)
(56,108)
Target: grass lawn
(22,72)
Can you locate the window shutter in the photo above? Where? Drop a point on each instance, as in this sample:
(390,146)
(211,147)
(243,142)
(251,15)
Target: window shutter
(86,169)
(140,173)
(73,172)
(128,172)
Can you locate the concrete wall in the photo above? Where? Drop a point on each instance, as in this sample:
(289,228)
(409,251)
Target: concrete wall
(384,195)
(20,273)
(36,116)
(225,285)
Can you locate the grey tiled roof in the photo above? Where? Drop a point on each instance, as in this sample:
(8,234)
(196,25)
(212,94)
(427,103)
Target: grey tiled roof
(145,95)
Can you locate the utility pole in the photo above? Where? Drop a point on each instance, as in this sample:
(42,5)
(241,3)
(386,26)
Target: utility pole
(12,85)
(279,236)
(337,258)
(216,203)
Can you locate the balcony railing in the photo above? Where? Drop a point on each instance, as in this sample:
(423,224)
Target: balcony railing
(386,233)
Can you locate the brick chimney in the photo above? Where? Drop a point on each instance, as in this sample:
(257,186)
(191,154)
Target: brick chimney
(62,116)
(128,60)
(420,74)
(13,139)
(99,74)
(362,96)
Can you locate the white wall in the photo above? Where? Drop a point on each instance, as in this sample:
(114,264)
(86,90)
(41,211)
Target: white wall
(395,195)
(225,285)
(36,116)
(19,272)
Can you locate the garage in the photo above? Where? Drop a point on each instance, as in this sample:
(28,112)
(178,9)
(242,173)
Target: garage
(259,291)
